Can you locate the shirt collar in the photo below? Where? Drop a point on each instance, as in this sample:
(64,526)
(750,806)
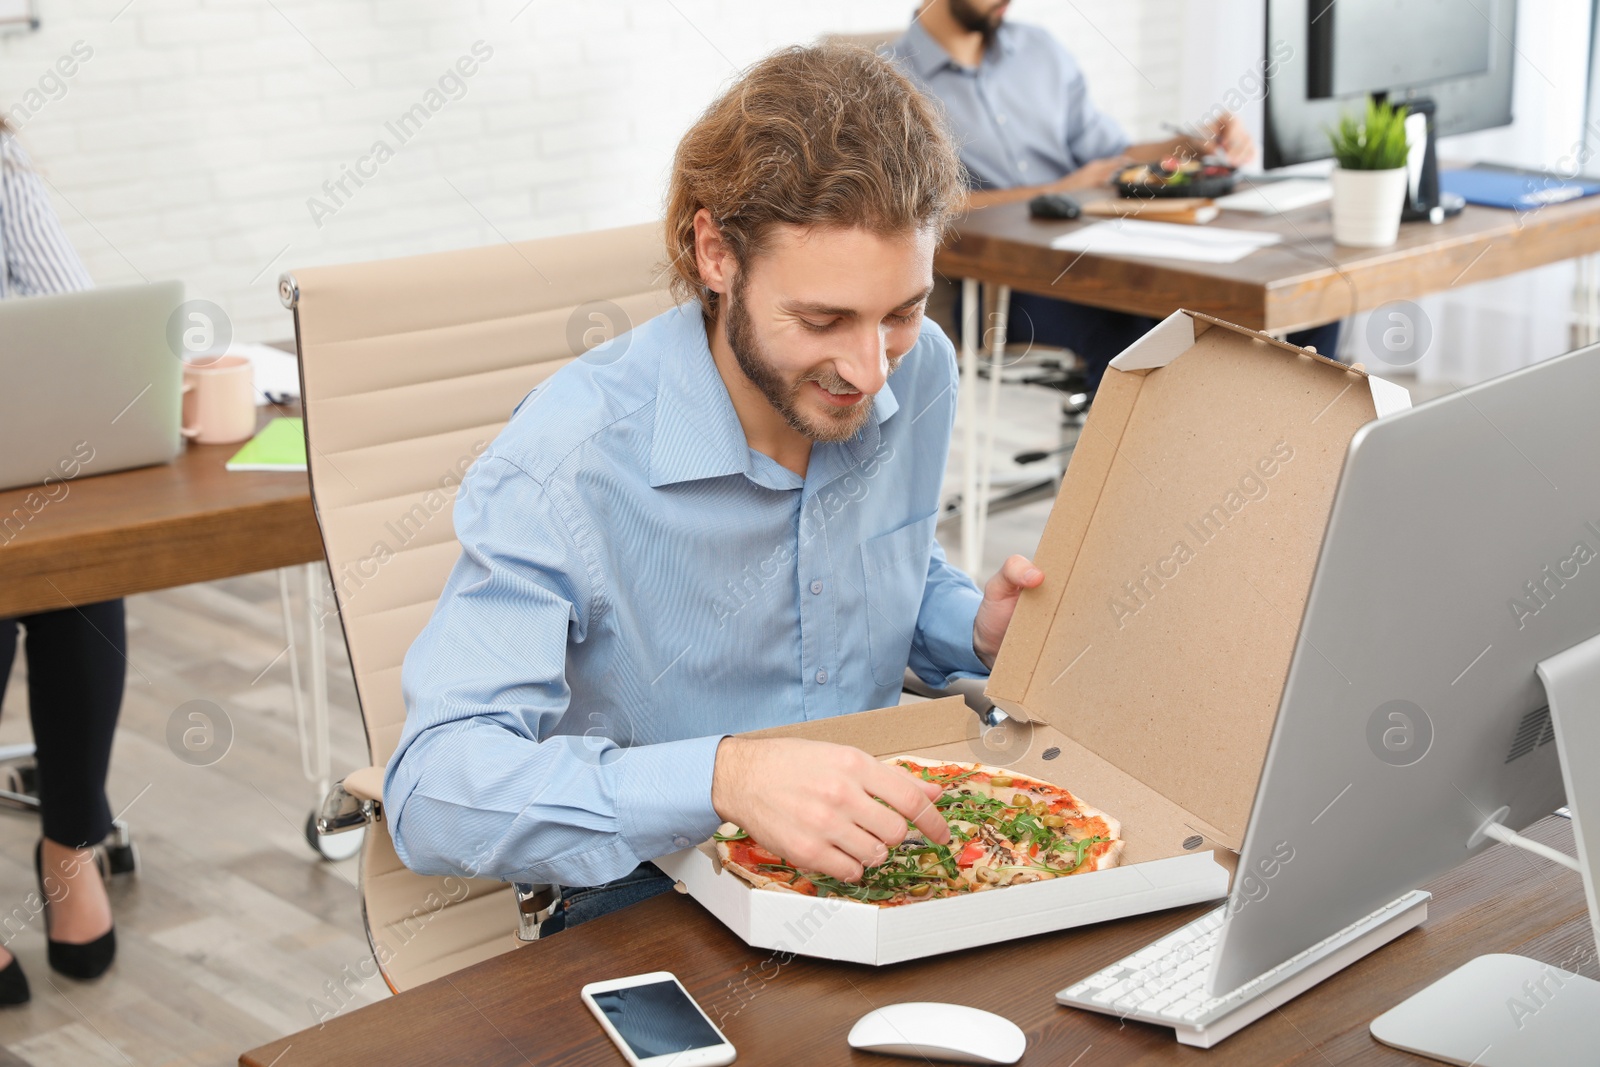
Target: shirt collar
(928,57)
(697,432)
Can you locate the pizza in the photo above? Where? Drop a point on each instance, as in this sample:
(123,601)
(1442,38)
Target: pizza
(1005,829)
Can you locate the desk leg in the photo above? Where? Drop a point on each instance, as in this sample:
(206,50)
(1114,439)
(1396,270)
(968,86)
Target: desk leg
(967,411)
(997,355)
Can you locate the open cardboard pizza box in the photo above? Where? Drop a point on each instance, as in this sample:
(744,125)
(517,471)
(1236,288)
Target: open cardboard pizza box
(1144,673)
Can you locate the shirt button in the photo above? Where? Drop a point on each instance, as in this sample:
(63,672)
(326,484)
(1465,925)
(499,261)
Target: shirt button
(681,841)
(822,677)
(1022,165)
(1001,119)
(816,587)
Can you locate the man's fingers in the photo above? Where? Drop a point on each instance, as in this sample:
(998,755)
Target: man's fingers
(862,847)
(899,788)
(836,864)
(1016,574)
(883,823)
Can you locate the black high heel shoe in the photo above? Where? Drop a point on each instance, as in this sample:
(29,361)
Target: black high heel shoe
(85,961)
(13,984)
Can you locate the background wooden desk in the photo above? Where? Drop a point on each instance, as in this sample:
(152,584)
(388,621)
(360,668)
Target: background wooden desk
(113,535)
(523,1007)
(1303,281)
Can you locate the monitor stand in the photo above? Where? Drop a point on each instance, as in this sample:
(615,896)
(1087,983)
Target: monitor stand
(1511,1011)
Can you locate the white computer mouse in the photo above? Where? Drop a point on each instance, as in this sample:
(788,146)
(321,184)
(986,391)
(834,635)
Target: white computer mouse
(954,1033)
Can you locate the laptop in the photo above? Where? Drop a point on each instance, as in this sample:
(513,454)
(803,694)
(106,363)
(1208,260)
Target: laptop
(89,383)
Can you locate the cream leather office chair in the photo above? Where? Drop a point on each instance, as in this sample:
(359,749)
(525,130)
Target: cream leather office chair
(409,367)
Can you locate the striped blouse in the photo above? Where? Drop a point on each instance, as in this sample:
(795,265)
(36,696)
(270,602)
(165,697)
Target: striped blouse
(35,255)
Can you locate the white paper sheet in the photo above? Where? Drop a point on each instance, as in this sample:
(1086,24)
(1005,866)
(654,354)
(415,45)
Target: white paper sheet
(1164,240)
(277,373)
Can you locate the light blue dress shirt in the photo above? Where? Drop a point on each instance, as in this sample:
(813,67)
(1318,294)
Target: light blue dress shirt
(636,582)
(1023,116)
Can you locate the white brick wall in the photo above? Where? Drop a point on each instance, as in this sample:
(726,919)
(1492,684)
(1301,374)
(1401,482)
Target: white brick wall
(188,144)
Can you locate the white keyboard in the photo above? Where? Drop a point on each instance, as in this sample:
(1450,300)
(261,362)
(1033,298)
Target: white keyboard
(1165,982)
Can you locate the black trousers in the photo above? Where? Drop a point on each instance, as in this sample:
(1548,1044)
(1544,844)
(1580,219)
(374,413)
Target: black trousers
(77,664)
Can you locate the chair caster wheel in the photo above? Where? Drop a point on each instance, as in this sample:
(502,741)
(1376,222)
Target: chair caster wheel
(334,846)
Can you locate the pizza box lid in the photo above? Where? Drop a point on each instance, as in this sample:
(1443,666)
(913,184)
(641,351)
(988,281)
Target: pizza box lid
(1179,554)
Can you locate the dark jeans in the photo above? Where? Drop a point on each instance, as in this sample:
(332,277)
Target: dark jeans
(580,904)
(77,664)
(1097,335)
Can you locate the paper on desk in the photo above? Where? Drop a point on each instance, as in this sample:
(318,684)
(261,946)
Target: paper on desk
(277,373)
(1164,240)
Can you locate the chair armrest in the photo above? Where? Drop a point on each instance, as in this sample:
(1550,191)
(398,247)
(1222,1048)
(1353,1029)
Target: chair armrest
(367,783)
(352,803)
(969,689)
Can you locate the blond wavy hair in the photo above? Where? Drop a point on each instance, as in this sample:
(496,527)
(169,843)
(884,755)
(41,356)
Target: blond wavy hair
(833,136)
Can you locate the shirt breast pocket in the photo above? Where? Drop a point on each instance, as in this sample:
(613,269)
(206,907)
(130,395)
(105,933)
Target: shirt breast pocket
(895,568)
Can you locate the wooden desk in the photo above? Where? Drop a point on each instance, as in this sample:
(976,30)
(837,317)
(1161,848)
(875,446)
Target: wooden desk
(154,528)
(523,1007)
(1305,280)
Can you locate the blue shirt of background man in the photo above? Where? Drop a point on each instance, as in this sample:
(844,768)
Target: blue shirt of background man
(1023,115)
(636,582)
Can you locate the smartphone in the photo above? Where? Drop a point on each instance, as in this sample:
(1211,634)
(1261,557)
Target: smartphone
(655,1022)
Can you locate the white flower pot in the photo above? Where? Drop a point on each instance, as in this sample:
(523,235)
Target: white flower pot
(1367,206)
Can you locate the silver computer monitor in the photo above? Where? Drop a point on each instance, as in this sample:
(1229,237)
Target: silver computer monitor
(1463,548)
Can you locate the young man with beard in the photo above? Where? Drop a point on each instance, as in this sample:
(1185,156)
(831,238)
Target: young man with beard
(722,520)
(1019,105)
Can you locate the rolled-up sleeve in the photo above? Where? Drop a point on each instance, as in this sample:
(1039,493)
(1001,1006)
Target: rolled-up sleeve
(481,783)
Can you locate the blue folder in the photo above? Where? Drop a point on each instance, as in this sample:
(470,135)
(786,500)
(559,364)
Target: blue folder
(1516,190)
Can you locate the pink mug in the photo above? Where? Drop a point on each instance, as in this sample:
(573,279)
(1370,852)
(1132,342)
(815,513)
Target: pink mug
(219,401)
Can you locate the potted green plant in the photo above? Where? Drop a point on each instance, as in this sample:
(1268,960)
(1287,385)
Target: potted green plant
(1369,184)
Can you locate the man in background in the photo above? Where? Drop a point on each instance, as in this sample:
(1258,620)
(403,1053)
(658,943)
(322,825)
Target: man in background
(1019,105)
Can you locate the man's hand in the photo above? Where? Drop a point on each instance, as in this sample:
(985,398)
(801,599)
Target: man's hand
(817,804)
(1092,175)
(1229,137)
(999,602)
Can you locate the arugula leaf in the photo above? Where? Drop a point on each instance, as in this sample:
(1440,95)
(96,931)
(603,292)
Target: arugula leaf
(740,836)
(1085,845)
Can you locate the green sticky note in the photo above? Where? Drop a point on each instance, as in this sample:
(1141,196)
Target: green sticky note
(280,446)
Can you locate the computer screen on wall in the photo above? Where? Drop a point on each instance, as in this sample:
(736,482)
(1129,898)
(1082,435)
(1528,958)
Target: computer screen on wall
(1458,52)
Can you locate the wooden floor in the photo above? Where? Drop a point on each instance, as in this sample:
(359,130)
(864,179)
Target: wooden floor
(235,933)
(233,926)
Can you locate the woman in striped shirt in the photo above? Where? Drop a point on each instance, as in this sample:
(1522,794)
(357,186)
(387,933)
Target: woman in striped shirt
(77,657)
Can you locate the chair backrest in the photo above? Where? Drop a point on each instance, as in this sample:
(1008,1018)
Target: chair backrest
(409,368)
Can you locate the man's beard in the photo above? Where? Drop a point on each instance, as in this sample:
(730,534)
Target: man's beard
(837,424)
(969,18)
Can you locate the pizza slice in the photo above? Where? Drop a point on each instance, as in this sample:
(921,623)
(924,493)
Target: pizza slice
(1005,829)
